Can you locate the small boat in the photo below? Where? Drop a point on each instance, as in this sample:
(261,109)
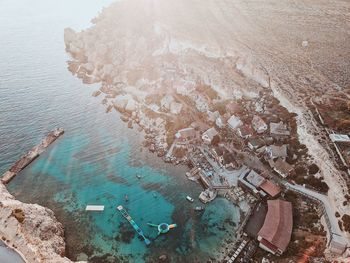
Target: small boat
(190,199)
(138,176)
(126,197)
(199,208)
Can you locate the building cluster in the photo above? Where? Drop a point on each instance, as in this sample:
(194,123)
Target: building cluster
(217,144)
(217,167)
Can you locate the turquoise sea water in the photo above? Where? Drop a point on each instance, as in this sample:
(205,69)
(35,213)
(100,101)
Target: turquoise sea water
(98,158)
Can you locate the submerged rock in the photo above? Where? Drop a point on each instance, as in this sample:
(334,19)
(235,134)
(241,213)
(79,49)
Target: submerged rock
(96,93)
(163,258)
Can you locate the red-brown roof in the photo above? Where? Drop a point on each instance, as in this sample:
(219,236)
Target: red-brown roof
(278,224)
(270,188)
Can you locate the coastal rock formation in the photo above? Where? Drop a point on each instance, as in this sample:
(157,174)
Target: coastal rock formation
(298,50)
(31,229)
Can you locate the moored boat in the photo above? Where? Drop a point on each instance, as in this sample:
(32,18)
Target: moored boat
(190,199)
(199,208)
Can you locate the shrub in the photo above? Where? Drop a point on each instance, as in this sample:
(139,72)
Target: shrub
(313,169)
(346,222)
(216,140)
(18,214)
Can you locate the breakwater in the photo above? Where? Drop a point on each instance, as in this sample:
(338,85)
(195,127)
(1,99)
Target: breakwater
(31,155)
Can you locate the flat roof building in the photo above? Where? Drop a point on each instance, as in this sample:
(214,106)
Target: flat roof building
(283,168)
(258,124)
(339,138)
(208,135)
(186,134)
(234,122)
(279,129)
(274,151)
(259,185)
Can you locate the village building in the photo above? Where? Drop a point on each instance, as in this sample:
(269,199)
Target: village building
(274,151)
(208,135)
(270,188)
(219,123)
(234,122)
(245,131)
(175,107)
(279,130)
(212,116)
(337,244)
(255,143)
(275,234)
(154,107)
(258,124)
(201,103)
(280,166)
(186,134)
(184,87)
(339,138)
(258,184)
(166,101)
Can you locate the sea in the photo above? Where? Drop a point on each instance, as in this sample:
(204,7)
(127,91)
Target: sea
(98,161)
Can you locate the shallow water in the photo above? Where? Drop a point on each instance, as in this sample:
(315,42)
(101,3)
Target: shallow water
(98,158)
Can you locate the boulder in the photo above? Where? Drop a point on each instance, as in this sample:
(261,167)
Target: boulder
(69,36)
(120,103)
(163,258)
(131,106)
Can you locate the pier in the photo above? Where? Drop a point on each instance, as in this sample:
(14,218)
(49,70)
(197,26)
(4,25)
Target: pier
(133,224)
(31,155)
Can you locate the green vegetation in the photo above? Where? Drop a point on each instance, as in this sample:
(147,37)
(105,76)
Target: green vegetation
(216,140)
(346,222)
(313,169)
(312,181)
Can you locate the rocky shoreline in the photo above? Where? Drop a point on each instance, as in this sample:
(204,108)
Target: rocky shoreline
(32,230)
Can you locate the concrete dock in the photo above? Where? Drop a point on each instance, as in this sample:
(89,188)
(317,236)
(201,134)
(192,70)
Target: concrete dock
(31,155)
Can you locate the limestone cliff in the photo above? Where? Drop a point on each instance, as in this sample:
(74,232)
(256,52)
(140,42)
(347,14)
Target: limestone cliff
(31,229)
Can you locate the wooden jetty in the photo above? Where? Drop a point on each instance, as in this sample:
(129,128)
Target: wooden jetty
(96,208)
(31,155)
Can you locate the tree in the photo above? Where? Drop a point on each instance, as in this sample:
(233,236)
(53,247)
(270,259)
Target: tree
(216,140)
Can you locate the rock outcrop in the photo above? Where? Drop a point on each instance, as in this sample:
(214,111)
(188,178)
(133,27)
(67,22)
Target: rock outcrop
(31,229)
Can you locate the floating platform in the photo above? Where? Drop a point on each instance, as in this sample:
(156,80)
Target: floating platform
(97,208)
(31,155)
(163,227)
(133,224)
